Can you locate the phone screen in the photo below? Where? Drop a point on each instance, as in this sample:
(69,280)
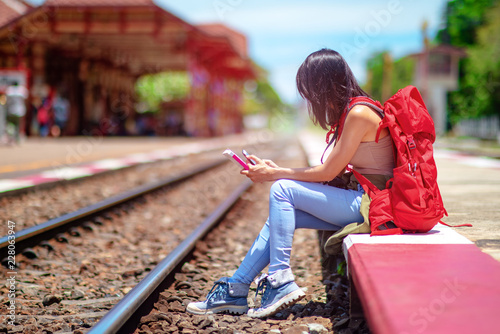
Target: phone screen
(245,154)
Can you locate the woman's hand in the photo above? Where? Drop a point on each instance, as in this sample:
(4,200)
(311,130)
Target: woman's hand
(264,170)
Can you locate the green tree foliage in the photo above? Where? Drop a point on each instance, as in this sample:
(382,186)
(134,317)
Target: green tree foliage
(480,86)
(153,89)
(463,17)
(403,73)
(375,67)
(386,77)
(260,97)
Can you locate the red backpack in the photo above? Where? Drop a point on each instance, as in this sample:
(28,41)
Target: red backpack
(411,201)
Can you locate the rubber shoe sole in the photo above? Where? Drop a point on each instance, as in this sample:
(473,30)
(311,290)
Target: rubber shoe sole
(285,302)
(232,309)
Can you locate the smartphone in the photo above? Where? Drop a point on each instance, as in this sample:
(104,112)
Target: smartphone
(234,157)
(245,154)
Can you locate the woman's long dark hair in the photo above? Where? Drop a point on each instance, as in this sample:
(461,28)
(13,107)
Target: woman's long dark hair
(326,82)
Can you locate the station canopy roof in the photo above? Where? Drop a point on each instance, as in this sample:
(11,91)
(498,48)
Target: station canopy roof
(225,50)
(136,34)
(11,10)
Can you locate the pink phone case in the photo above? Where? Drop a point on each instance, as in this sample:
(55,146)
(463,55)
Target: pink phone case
(234,157)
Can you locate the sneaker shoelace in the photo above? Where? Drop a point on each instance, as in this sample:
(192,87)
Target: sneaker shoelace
(264,286)
(217,292)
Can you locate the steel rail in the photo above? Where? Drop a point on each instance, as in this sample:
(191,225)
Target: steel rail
(120,318)
(35,234)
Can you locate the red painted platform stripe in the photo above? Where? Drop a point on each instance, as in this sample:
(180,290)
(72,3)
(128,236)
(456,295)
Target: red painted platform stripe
(408,289)
(38,179)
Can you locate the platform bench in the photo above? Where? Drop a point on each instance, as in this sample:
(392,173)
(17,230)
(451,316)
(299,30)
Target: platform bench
(437,282)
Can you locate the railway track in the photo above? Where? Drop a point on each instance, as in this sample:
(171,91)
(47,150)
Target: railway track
(32,236)
(36,205)
(72,284)
(55,277)
(157,305)
(125,316)
(220,252)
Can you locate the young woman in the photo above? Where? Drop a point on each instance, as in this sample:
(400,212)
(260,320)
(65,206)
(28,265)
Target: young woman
(299,198)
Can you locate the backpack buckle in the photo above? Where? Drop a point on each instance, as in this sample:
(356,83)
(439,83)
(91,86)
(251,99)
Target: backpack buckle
(411,143)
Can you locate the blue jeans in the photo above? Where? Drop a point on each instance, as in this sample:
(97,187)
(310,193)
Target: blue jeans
(292,205)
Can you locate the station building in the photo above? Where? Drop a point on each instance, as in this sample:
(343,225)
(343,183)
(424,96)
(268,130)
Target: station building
(91,53)
(437,74)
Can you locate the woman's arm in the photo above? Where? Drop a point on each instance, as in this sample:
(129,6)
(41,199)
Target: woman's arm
(358,123)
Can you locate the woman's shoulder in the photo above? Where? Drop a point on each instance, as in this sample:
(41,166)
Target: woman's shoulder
(366,120)
(363,112)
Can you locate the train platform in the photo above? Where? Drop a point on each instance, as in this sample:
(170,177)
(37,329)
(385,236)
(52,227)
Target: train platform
(469,184)
(442,281)
(45,160)
(38,154)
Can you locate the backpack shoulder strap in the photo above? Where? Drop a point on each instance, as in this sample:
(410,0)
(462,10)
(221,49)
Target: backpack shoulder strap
(363,100)
(366,101)
(374,105)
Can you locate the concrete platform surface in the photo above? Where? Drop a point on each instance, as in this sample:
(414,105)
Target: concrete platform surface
(47,160)
(45,153)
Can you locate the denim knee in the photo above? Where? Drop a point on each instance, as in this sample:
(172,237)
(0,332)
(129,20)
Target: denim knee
(279,189)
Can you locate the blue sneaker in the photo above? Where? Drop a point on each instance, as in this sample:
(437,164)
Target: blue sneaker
(223,297)
(279,292)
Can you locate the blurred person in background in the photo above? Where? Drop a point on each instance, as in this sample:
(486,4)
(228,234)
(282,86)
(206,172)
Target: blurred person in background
(16,107)
(44,112)
(60,108)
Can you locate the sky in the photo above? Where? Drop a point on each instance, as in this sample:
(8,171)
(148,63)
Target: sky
(281,34)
